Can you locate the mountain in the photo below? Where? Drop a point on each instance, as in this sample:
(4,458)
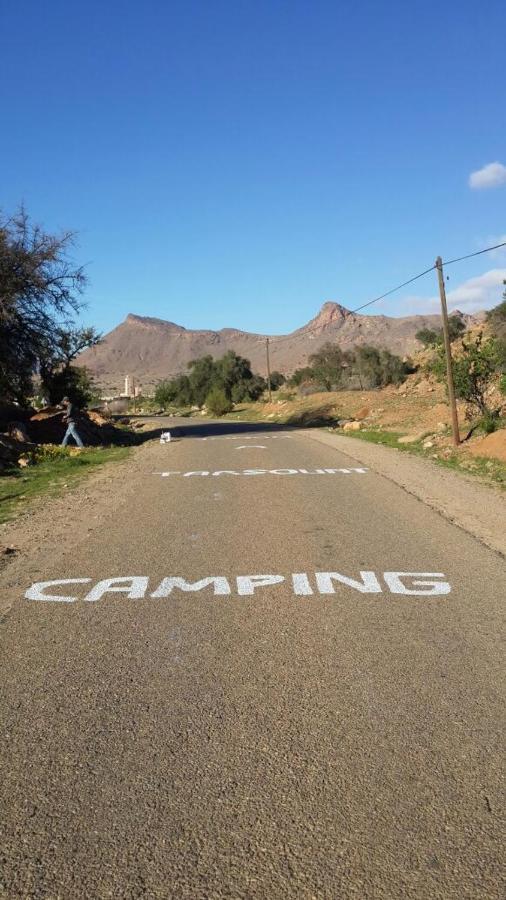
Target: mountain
(151,349)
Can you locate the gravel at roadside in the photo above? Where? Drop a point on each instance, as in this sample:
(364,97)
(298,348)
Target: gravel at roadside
(477,508)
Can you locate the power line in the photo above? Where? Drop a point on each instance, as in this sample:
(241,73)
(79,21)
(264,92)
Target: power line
(478,253)
(392,290)
(290,337)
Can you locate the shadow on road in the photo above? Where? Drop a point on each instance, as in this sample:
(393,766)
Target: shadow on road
(190,428)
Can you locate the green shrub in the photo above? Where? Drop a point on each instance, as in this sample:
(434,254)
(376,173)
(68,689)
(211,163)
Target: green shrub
(433,337)
(285,395)
(217,402)
(496,318)
(230,373)
(50,453)
(489,422)
(474,370)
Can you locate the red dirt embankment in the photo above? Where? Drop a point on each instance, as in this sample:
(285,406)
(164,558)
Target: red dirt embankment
(21,430)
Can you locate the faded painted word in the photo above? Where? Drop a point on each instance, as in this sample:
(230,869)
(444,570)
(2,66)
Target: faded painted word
(137,587)
(244,437)
(358,471)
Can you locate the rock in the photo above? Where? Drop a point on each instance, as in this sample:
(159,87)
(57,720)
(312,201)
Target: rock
(363,413)
(441,427)
(10,451)
(427,445)
(352,426)
(411,438)
(17,432)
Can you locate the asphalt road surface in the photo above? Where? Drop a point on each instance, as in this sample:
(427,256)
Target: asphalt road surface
(289,718)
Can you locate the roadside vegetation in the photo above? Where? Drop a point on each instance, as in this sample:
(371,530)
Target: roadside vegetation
(214,384)
(40,299)
(220,385)
(56,470)
(479,365)
(41,290)
(491,470)
(363,368)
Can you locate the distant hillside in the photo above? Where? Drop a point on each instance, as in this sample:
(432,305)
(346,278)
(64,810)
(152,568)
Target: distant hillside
(151,349)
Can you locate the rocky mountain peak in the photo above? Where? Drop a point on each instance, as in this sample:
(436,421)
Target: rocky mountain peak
(330,314)
(151,322)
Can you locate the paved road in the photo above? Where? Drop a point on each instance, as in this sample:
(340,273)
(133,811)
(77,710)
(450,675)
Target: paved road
(330,735)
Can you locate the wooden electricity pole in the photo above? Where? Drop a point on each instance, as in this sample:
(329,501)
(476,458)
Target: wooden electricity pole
(448,352)
(268,369)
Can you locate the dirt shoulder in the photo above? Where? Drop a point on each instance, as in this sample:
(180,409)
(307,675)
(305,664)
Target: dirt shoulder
(477,508)
(53,526)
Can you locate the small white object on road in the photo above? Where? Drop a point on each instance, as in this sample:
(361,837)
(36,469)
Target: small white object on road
(165,437)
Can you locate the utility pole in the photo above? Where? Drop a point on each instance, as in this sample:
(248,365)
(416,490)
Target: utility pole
(134,397)
(268,369)
(448,352)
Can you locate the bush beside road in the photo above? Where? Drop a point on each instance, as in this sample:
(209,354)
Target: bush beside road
(57,469)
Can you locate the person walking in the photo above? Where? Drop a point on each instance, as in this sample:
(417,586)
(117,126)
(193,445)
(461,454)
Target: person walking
(70,418)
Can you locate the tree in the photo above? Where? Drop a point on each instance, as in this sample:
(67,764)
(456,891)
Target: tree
(300,376)
(251,389)
(203,375)
(473,371)
(431,337)
(496,318)
(40,289)
(328,364)
(217,402)
(367,366)
(375,368)
(256,387)
(74,382)
(59,378)
(393,369)
(176,391)
(456,325)
(231,374)
(277,380)
(232,370)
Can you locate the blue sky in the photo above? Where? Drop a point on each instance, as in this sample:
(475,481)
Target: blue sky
(239,162)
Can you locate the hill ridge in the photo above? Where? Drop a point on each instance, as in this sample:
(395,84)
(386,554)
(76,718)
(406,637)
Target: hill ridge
(151,348)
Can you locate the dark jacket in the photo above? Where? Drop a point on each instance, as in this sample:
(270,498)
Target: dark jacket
(70,412)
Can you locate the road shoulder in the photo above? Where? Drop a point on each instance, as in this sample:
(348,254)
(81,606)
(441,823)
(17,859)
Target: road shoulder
(477,508)
(57,525)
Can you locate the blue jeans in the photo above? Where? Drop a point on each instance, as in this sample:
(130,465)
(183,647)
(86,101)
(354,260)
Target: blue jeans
(72,432)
